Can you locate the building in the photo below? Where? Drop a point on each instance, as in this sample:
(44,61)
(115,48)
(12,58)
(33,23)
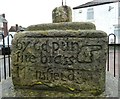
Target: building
(3,25)
(16,28)
(105,14)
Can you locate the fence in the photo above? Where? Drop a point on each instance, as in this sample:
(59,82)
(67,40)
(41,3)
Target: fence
(114,53)
(5,59)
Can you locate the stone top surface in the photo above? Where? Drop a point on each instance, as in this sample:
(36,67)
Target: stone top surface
(63,26)
(62,33)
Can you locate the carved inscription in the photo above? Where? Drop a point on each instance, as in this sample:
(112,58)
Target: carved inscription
(53,74)
(53,61)
(61,51)
(50,74)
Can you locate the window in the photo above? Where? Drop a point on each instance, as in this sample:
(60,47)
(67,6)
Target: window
(90,14)
(119,11)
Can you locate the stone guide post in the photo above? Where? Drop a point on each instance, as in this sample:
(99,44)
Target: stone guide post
(60,59)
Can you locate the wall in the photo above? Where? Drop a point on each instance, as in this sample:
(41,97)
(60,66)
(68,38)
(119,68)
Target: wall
(103,19)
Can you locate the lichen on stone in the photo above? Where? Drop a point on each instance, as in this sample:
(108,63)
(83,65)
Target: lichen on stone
(62,26)
(60,60)
(62,14)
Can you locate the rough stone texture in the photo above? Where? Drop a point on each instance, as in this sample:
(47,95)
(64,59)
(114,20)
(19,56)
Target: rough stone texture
(60,62)
(63,26)
(62,14)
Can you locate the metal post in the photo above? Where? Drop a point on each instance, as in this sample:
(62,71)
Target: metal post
(114,52)
(62,2)
(4,55)
(108,54)
(9,54)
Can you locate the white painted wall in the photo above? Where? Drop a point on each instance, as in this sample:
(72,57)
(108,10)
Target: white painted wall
(103,19)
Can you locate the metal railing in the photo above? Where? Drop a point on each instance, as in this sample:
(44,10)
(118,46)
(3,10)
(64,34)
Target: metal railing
(114,54)
(4,55)
(6,51)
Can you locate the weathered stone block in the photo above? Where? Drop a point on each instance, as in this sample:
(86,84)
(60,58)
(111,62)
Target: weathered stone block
(62,14)
(69,60)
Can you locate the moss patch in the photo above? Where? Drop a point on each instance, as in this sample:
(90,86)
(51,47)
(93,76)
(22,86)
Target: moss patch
(62,14)
(63,26)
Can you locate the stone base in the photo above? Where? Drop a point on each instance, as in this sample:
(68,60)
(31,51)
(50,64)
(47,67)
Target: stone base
(53,93)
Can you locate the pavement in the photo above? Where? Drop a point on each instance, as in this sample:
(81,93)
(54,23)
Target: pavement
(7,88)
(6,85)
